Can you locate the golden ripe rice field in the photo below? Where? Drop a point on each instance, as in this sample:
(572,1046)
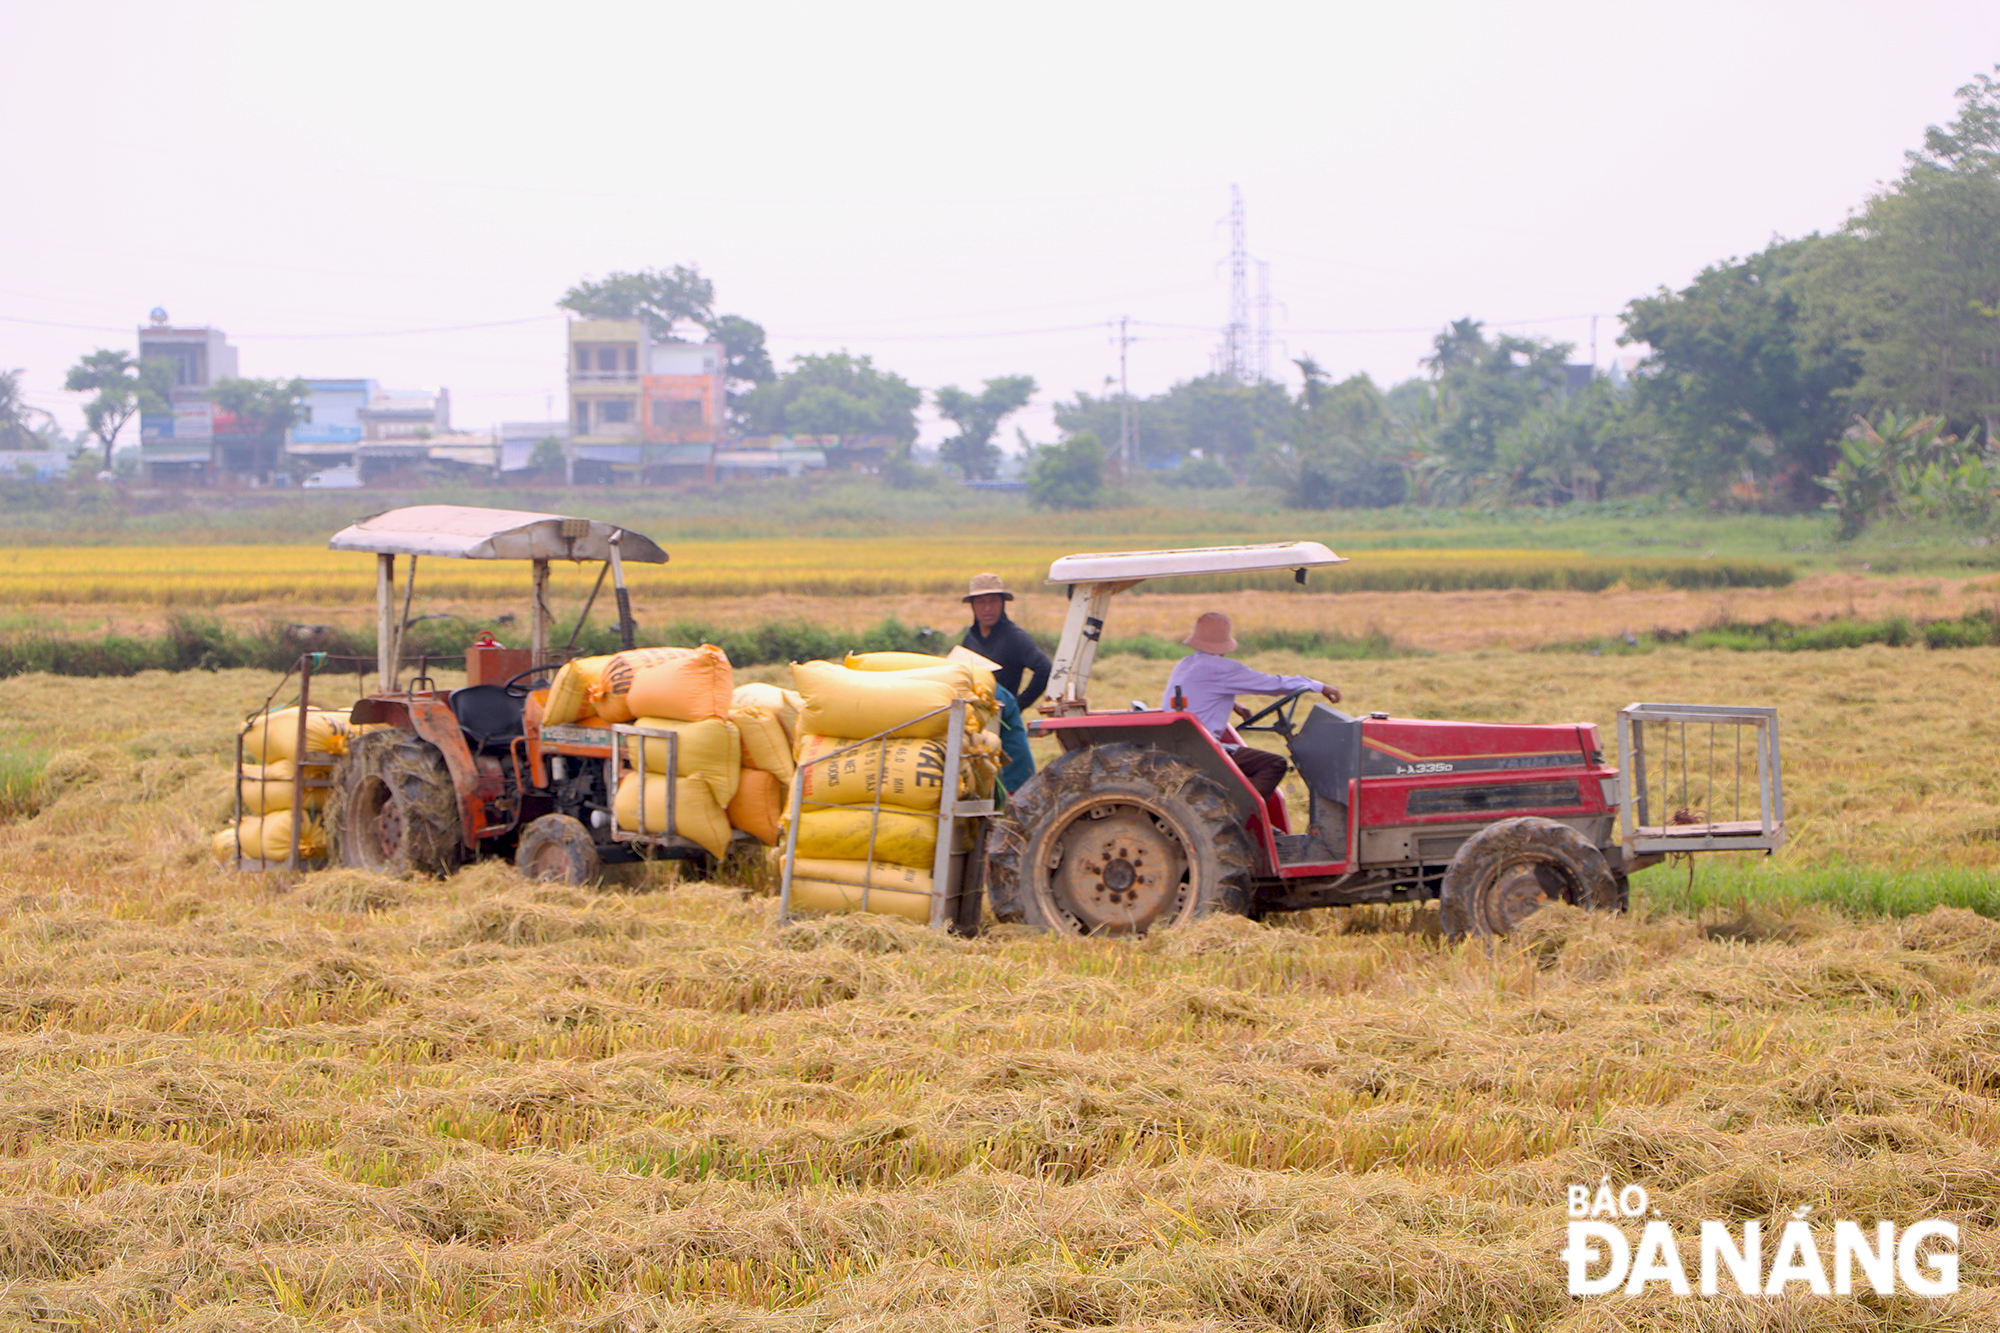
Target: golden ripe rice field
(350,1102)
(209,576)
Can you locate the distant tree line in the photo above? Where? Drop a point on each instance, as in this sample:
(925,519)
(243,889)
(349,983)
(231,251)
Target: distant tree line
(1858,370)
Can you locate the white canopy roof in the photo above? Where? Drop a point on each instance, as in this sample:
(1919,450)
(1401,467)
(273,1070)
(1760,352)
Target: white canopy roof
(1120,566)
(468,533)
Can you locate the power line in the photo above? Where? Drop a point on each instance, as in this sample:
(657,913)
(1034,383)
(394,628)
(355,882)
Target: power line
(305,337)
(933,337)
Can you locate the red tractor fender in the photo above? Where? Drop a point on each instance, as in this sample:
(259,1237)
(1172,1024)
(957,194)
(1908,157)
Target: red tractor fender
(1180,734)
(429,716)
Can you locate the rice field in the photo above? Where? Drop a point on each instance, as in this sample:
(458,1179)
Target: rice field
(208,576)
(231,1102)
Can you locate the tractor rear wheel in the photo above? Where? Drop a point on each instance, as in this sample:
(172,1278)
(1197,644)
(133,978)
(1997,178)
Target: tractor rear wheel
(1506,871)
(1117,840)
(394,809)
(556,847)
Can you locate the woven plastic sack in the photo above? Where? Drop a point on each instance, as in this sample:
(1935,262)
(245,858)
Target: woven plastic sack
(697,816)
(268,789)
(765,745)
(784,705)
(614,687)
(919,667)
(759,806)
(269,838)
(909,773)
(686,688)
(572,691)
(270,737)
(844,835)
(840,702)
(709,751)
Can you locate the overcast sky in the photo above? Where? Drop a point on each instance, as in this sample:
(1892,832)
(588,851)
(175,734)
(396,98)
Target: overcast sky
(402,191)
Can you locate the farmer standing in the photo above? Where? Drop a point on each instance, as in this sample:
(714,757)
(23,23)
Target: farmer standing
(1209,681)
(1000,641)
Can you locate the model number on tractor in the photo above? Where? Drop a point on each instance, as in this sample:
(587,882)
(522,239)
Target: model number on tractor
(1406,770)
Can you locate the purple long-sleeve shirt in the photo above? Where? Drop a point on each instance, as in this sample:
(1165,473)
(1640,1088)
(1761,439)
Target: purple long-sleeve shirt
(1211,683)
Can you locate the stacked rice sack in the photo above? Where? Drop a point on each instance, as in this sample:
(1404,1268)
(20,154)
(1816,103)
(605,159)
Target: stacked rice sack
(683,690)
(270,759)
(689,691)
(839,824)
(767,720)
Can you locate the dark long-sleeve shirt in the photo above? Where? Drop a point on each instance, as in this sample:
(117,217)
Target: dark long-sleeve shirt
(1010,648)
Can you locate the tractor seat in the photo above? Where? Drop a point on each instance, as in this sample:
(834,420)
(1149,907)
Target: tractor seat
(488,715)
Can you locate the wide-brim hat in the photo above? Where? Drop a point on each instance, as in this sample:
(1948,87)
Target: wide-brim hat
(1211,634)
(987,585)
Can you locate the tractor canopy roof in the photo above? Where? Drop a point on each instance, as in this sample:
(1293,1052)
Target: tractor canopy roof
(1132,566)
(468,533)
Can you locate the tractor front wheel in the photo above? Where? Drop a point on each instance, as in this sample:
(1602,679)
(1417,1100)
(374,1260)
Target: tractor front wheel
(1117,840)
(1506,871)
(556,847)
(394,809)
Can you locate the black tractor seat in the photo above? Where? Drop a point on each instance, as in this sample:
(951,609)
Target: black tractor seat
(488,715)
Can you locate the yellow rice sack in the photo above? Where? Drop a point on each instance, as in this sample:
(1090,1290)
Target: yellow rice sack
(820,895)
(269,838)
(878,874)
(910,773)
(843,835)
(268,789)
(784,705)
(572,691)
(687,688)
(917,666)
(614,687)
(890,661)
(840,702)
(697,815)
(710,750)
(270,737)
(765,745)
(759,806)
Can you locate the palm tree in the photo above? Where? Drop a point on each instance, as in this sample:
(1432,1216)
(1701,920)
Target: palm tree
(16,430)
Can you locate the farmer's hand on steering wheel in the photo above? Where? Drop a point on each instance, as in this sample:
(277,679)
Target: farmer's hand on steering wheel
(1332,694)
(1241,712)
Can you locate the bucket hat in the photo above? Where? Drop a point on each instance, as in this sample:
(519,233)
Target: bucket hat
(1211,634)
(984,585)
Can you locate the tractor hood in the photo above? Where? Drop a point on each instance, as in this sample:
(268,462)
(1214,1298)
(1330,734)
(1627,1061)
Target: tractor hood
(467,533)
(1406,747)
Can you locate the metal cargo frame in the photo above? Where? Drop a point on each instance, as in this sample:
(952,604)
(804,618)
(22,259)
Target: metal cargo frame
(672,844)
(954,878)
(1647,829)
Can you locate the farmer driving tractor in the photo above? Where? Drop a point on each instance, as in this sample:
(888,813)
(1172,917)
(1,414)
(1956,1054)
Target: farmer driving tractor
(1207,682)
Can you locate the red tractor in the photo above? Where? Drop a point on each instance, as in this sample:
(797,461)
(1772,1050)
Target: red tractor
(1145,821)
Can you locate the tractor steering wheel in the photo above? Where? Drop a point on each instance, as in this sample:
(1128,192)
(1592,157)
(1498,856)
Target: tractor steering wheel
(1285,706)
(516,690)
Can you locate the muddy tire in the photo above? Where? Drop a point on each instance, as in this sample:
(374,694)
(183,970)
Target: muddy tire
(556,847)
(394,810)
(1506,871)
(1117,840)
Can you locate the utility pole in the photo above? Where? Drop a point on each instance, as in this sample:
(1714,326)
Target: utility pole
(1128,420)
(1593,347)
(1263,319)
